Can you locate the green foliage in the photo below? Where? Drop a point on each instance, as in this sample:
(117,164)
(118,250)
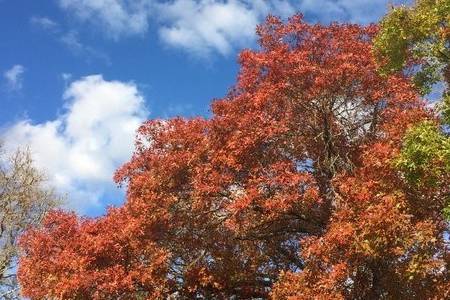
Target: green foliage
(425,158)
(447,211)
(416,37)
(426,151)
(445,110)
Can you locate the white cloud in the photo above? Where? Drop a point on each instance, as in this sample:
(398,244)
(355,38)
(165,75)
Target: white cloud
(117,17)
(205,25)
(199,26)
(81,149)
(14,77)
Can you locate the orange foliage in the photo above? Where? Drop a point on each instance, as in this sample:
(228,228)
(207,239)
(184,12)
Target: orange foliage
(287,191)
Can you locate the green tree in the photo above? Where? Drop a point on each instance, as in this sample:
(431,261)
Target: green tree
(416,38)
(425,161)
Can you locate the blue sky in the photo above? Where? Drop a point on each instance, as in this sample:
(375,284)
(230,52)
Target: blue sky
(78,76)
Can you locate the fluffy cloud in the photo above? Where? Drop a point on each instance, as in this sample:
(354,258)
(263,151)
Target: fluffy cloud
(80,149)
(198,26)
(14,77)
(203,26)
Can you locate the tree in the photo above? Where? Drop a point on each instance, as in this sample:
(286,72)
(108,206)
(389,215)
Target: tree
(24,200)
(289,190)
(425,162)
(109,258)
(418,38)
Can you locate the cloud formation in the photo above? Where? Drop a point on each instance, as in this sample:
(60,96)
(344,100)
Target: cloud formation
(205,26)
(197,26)
(14,77)
(81,149)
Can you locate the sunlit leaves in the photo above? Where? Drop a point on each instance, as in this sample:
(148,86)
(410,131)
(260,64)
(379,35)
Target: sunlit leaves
(417,37)
(289,189)
(425,155)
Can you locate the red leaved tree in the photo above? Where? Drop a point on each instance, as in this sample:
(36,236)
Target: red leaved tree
(287,191)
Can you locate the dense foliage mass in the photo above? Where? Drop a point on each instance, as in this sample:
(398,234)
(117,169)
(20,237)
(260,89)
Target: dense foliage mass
(297,187)
(417,37)
(416,40)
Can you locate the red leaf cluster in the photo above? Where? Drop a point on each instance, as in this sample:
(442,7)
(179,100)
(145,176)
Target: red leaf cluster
(287,191)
